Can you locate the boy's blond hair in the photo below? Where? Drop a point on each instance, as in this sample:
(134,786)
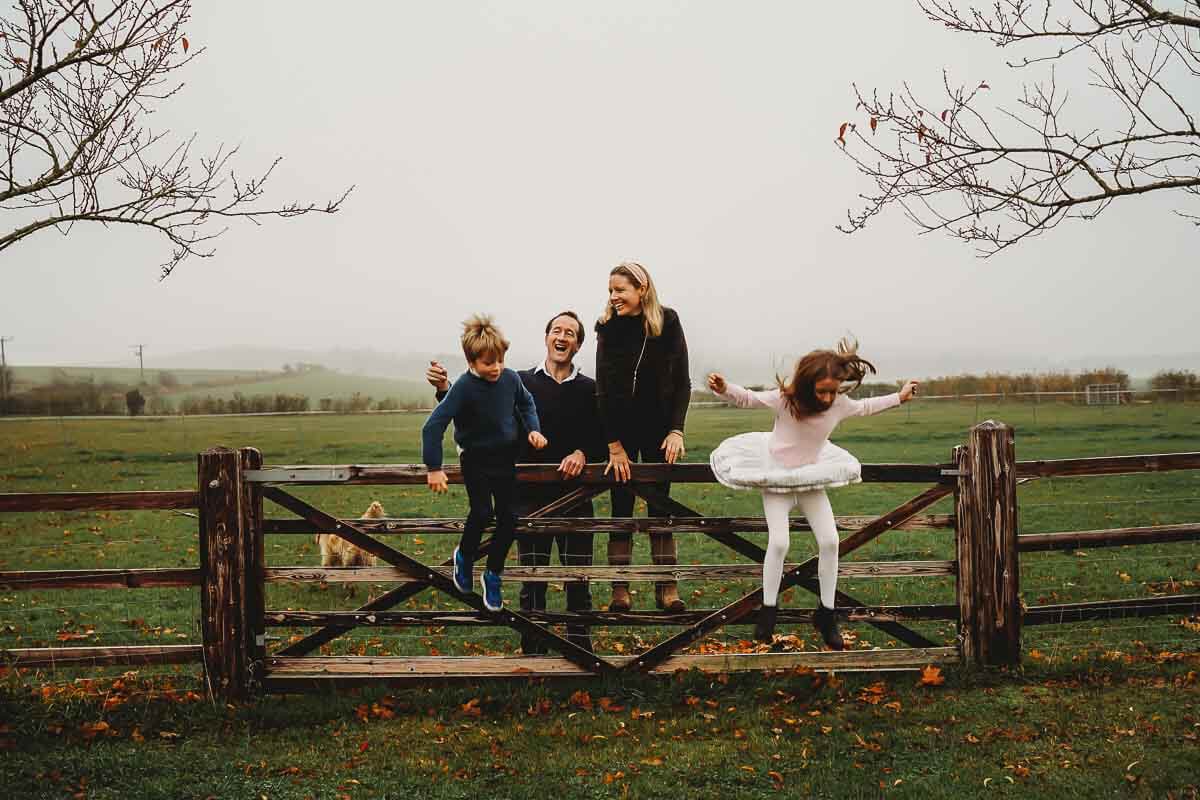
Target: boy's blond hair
(481,337)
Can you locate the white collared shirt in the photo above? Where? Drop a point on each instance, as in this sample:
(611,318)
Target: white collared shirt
(541,367)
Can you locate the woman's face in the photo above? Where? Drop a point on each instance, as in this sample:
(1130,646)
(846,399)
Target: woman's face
(625,298)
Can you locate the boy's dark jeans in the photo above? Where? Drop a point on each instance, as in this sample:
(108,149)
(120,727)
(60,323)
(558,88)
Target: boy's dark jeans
(490,477)
(574,550)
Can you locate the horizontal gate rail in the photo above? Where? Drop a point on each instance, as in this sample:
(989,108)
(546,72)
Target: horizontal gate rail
(291,674)
(617,618)
(605,574)
(540,526)
(408,474)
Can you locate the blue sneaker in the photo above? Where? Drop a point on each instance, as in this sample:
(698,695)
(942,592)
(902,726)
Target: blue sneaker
(461,573)
(493,600)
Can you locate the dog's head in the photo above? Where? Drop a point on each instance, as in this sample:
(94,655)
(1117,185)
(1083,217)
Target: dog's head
(375,511)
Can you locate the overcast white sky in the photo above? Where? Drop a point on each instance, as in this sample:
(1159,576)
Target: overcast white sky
(507,155)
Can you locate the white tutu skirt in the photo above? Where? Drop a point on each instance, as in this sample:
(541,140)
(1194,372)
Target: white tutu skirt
(745,462)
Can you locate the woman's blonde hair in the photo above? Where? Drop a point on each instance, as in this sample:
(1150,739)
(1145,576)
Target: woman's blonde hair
(652,310)
(481,337)
(843,364)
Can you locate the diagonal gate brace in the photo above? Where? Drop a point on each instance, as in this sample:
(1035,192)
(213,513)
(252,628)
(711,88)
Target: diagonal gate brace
(345,530)
(752,551)
(401,593)
(741,607)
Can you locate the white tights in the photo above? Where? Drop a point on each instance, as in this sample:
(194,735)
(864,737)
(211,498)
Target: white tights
(815,507)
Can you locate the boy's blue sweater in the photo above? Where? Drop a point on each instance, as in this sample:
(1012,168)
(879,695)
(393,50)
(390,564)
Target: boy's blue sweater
(484,415)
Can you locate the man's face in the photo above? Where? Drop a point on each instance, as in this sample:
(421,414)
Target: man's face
(562,341)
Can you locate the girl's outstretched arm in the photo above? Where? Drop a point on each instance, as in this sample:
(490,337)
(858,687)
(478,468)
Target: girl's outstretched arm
(741,397)
(873,405)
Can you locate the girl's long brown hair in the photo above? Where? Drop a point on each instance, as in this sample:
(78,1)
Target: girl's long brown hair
(843,364)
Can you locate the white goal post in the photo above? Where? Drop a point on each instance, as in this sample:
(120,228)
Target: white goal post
(1103,394)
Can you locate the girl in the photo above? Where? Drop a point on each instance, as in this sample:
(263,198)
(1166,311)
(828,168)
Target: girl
(642,390)
(794,464)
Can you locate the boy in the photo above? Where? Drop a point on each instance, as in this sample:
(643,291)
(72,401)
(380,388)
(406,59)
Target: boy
(485,404)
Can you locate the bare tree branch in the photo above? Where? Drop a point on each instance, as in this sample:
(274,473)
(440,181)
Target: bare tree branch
(77,78)
(994,177)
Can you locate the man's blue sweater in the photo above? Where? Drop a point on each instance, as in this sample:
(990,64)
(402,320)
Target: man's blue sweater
(484,415)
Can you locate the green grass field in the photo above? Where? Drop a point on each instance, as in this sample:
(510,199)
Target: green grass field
(1098,708)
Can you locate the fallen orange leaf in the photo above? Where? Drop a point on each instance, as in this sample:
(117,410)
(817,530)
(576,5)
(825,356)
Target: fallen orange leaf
(931,676)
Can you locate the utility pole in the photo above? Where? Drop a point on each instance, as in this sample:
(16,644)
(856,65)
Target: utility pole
(137,348)
(4,375)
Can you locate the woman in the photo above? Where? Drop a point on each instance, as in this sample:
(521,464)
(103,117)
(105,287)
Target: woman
(642,389)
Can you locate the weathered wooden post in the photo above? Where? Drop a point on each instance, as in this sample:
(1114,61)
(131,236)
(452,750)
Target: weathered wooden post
(988,567)
(255,561)
(226,565)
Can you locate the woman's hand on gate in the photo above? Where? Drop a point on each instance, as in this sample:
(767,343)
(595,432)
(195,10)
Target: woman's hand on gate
(673,446)
(572,465)
(537,440)
(618,462)
(436,478)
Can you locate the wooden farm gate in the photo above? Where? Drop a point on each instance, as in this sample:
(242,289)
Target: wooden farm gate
(294,666)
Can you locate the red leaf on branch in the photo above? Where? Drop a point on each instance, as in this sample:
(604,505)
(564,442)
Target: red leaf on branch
(921,134)
(184,40)
(983,85)
(874,122)
(841,137)
(944,113)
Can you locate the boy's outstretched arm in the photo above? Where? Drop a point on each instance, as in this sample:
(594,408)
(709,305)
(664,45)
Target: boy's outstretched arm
(431,438)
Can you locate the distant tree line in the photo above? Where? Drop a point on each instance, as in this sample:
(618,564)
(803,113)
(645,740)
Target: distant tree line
(65,395)
(1184,383)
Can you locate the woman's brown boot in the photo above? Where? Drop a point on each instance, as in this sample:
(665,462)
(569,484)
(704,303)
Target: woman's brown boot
(666,593)
(620,553)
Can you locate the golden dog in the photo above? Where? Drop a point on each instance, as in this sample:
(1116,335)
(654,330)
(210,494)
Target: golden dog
(337,552)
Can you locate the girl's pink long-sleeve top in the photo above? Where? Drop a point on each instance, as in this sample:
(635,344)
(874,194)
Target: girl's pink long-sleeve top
(796,442)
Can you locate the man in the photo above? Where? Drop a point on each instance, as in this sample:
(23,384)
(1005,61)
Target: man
(566,407)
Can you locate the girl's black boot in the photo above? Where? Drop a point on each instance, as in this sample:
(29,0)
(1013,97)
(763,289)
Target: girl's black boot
(825,621)
(764,630)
